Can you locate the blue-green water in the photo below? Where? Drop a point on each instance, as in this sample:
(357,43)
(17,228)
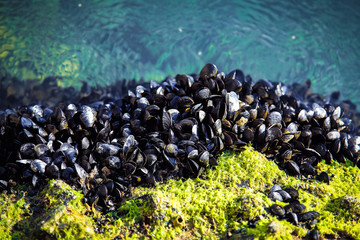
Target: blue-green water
(105,40)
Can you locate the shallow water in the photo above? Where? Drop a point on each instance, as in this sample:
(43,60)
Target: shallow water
(105,40)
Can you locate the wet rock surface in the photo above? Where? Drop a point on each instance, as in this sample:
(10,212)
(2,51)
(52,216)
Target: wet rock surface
(173,129)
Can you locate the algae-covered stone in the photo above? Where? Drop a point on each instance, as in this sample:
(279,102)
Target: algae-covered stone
(352,206)
(57,212)
(64,215)
(12,210)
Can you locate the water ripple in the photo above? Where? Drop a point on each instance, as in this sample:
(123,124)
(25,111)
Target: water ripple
(101,41)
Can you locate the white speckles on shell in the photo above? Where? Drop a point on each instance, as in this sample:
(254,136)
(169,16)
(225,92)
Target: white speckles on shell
(233,105)
(88,118)
(333,135)
(80,171)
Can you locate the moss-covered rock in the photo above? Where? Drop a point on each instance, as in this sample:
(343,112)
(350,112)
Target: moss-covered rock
(64,214)
(13,209)
(226,202)
(57,212)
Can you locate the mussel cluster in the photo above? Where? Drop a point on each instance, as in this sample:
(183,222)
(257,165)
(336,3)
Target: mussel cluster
(294,212)
(175,128)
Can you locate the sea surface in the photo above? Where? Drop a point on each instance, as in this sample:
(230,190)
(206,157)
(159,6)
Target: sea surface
(101,41)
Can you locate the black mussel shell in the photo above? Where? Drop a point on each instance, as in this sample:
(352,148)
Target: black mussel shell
(277,210)
(210,70)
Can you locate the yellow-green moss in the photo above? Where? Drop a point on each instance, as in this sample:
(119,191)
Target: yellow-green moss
(12,210)
(64,213)
(223,199)
(235,191)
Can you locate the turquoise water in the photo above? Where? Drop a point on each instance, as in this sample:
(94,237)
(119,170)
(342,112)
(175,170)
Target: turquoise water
(103,41)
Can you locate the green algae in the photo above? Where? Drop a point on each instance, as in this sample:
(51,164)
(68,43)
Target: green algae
(57,212)
(64,215)
(216,205)
(12,210)
(227,197)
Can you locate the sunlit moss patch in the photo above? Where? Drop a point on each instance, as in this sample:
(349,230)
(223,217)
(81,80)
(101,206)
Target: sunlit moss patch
(13,207)
(234,192)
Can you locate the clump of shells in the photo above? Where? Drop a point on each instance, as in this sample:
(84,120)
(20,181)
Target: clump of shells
(176,128)
(294,212)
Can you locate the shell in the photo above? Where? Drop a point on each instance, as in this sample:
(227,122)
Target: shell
(88,118)
(208,71)
(105,149)
(308,216)
(232,103)
(38,166)
(277,210)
